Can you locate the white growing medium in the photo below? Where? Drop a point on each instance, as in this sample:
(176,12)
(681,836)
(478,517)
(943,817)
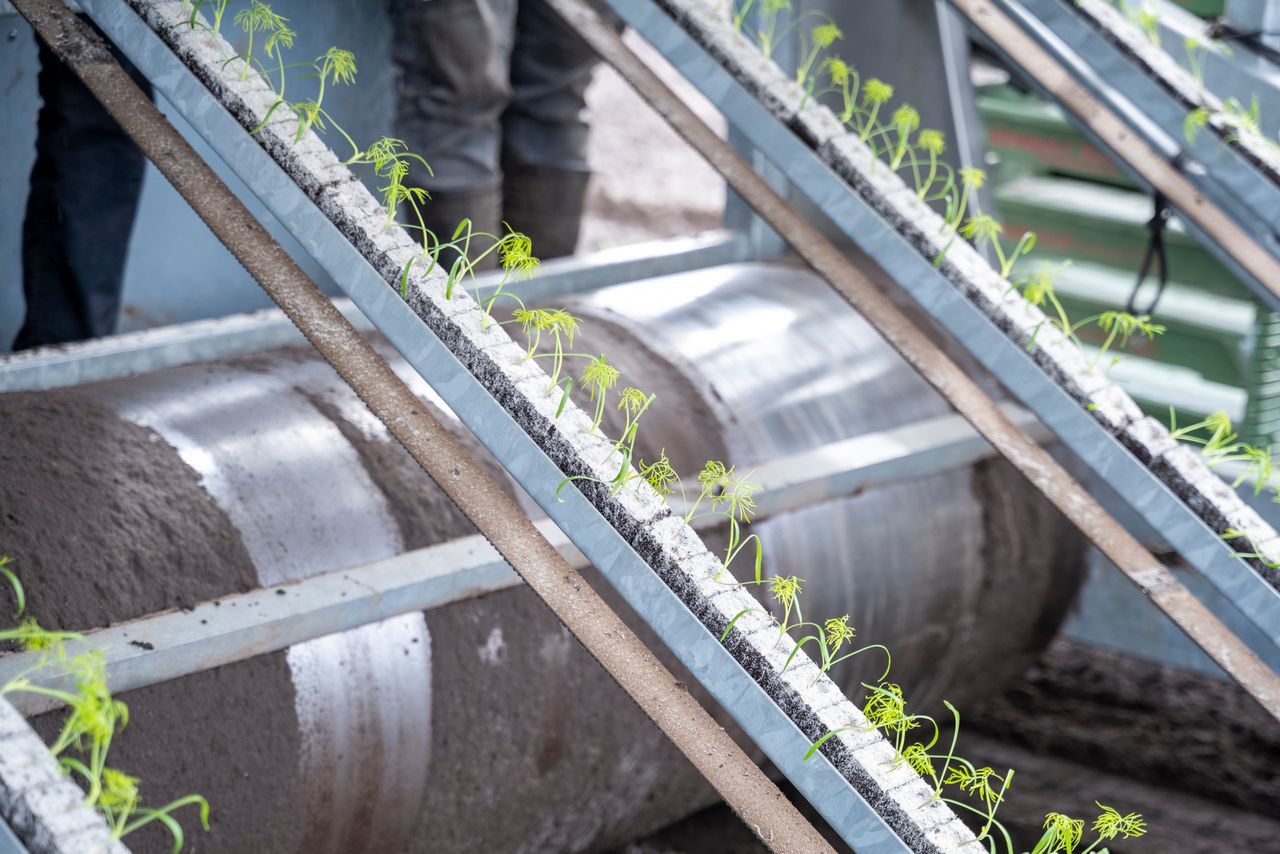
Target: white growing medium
(970,273)
(1112,24)
(45,809)
(641,516)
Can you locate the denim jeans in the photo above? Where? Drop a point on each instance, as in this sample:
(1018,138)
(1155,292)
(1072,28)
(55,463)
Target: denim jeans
(84,196)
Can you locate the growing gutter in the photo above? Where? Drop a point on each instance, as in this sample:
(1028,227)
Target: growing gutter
(44,810)
(1132,100)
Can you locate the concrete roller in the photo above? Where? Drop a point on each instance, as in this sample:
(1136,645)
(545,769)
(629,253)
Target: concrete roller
(482,725)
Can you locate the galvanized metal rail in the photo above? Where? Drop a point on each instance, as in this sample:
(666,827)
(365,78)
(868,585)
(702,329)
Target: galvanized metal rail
(222,337)
(1227,194)
(476,493)
(806,142)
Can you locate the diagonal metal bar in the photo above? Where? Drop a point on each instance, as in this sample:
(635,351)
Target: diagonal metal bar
(1139,565)
(476,493)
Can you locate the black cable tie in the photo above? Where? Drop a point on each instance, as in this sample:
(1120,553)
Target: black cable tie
(1155,255)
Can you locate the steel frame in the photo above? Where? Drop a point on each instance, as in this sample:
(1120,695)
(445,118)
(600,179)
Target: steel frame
(316,609)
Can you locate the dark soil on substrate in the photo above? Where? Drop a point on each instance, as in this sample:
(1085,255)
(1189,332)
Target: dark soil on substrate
(79,560)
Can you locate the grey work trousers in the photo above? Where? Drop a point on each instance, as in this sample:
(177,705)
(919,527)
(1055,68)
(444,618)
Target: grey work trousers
(488,84)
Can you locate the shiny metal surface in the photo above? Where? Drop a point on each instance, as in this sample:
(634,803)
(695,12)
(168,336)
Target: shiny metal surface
(261,451)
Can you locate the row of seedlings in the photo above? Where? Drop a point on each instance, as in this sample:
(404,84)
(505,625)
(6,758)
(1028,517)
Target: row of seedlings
(1136,33)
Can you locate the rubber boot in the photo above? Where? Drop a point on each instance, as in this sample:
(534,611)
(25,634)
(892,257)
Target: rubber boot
(546,204)
(447,208)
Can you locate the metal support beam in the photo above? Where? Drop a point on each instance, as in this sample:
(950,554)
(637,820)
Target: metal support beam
(224,337)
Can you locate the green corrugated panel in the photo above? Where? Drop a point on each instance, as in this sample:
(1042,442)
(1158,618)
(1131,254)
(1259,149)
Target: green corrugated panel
(1203,8)
(1262,416)
(1034,138)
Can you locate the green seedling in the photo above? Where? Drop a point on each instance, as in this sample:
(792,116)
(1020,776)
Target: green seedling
(875,94)
(391,161)
(980,783)
(820,38)
(93,719)
(660,475)
(1194,123)
(120,803)
(633,403)
(905,121)
(1120,326)
(785,590)
(971,179)
(984,229)
(829,638)
(1062,834)
(1195,51)
(845,80)
(934,144)
(598,377)
(257,18)
(219,9)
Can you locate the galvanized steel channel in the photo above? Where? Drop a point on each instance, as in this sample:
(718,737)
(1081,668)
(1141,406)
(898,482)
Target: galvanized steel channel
(205,340)
(706,658)
(1199,545)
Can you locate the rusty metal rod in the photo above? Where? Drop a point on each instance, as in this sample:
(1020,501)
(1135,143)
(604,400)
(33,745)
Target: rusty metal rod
(1136,562)
(495,514)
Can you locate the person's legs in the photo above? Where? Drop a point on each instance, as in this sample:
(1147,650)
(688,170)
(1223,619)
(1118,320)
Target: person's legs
(84,197)
(453,57)
(544,131)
